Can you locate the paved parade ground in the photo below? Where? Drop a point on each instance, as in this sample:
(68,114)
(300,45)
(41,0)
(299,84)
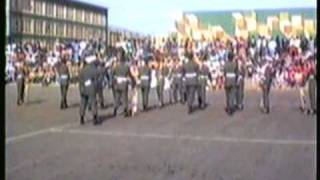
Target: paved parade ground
(44,142)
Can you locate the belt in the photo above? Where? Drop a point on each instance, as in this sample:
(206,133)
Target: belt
(203,77)
(178,75)
(87,82)
(191,75)
(145,77)
(63,76)
(231,75)
(121,79)
(19,76)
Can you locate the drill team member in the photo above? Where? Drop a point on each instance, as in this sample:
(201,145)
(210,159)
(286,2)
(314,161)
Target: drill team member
(88,78)
(312,88)
(145,78)
(20,75)
(161,73)
(64,78)
(121,76)
(177,81)
(240,84)
(266,83)
(101,81)
(204,75)
(230,74)
(190,72)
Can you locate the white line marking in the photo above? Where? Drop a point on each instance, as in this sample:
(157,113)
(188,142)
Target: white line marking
(188,137)
(35,133)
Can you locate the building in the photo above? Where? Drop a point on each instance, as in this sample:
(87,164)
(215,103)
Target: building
(268,22)
(47,21)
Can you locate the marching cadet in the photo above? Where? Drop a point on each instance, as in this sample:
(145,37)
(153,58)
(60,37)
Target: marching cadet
(64,78)
(100,86)
(145,78)
(204,75)
(88,79)
(20,75)
(312,88)
(190,72)
(121,76)
(160,73)
(240,84)
(265,84)
(230,74)
(177,81)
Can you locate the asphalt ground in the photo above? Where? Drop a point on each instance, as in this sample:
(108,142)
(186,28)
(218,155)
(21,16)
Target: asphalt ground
(44,142)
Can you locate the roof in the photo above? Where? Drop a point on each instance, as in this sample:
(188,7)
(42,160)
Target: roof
(81,4)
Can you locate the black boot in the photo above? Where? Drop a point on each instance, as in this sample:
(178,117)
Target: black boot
(114,112)
(102,105)
(81,120)
(126,113)
(95,120)
(189,109)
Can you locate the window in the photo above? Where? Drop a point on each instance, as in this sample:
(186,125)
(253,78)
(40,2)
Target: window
(16,25)
(85,33)
(26,25)
(49,9)
(60,29)
(60,11)
(79,15)
(69,30)
(70,15)
(103,20)
(38,7)
(79,32)
(25,5)
(49,28)
(87,17)
(38,27)
(90,33)
(13,4)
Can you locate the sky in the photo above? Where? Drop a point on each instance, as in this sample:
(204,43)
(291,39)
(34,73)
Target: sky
(156,17)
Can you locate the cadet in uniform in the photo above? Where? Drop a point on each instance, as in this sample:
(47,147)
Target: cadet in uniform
(230,74)
(240,84)
(161,73)
(64,78)
(266,82)
(190,72)
(204,75)
(121,76)
(20,79)
(100,85)
(177,81)
(145,78)
(88,78)
(312,88)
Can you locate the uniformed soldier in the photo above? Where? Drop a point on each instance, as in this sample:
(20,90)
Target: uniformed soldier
(161,72)
(230,74)
(145,78)
(190,72)
(88,79)
(64,78)
(177,81)
(20,76)
(121,76)
(101,82)
(312,88)
(240,84)
(204,76)
(266,82)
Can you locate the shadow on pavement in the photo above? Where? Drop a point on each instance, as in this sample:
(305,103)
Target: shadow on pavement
(34,102)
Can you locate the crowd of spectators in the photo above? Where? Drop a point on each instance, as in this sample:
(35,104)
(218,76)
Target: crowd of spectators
(287,54)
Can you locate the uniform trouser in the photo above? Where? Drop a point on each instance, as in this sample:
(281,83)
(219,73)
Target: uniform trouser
(121,93)
(230,97)
(183,92)
(176,87)
(312,88)
(88,100)
(265,95)
(191,91)
(20,92)
(202,95)
(64,91)
(240,93)
(100,95)
(145,95)
(160,88)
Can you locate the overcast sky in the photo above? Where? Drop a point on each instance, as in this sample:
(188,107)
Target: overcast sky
(156,17)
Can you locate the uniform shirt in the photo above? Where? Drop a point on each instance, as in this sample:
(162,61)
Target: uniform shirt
(88,80)
(121,75)
(230,73)
(204,75)
(190,73)
(145,75)
(177,74)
